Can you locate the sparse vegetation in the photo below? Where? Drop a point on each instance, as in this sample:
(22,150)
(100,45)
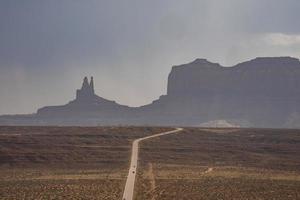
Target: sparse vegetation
(221,164)
(66,162)
(92,163)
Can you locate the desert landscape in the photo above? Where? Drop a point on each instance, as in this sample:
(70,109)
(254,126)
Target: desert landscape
(221,164)
(66,162)
(196,163)
(150,100)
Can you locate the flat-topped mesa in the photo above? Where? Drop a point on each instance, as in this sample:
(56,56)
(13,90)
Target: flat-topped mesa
(87,90)
(275,60)
(262,93)
(267,63)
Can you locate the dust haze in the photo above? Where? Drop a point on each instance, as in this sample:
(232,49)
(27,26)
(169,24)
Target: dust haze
(130,46)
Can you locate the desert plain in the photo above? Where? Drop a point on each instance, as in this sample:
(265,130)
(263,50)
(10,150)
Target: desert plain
(196,163)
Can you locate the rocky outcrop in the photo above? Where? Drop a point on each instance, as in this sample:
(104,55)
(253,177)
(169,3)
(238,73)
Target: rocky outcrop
(264,92)
(269,77)
(86,92)
(86,105)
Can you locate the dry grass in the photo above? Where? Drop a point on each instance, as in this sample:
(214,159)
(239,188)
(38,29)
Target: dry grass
(92,163)
(66,162)
(223,164)
(61,184)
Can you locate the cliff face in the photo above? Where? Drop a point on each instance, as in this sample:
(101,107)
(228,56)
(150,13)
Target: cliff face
(268,77)
(264,92)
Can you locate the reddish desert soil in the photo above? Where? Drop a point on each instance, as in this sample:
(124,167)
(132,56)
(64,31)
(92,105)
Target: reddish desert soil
(225,164)
(66,162)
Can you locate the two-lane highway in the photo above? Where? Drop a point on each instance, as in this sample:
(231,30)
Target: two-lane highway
(129,187)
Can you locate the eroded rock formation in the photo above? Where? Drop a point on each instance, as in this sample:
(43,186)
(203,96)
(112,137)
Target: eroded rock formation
(264,92)
(86,106)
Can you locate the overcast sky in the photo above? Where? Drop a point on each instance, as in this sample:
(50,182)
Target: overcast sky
(129,46)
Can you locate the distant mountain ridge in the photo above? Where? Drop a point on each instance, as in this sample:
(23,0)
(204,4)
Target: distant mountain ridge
(263,92)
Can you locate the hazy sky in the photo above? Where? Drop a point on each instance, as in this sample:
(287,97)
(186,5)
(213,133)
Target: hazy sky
(129,46)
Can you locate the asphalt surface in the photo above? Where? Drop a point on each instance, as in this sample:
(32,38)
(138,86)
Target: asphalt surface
(129,187)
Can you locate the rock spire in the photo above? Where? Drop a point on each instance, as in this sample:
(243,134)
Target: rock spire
(87,90)
(92,85)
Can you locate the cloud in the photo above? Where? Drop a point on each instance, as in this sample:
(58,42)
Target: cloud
(129,46)
(281,39)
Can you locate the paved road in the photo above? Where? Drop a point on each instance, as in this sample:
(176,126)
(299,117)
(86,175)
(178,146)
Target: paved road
(129,187)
